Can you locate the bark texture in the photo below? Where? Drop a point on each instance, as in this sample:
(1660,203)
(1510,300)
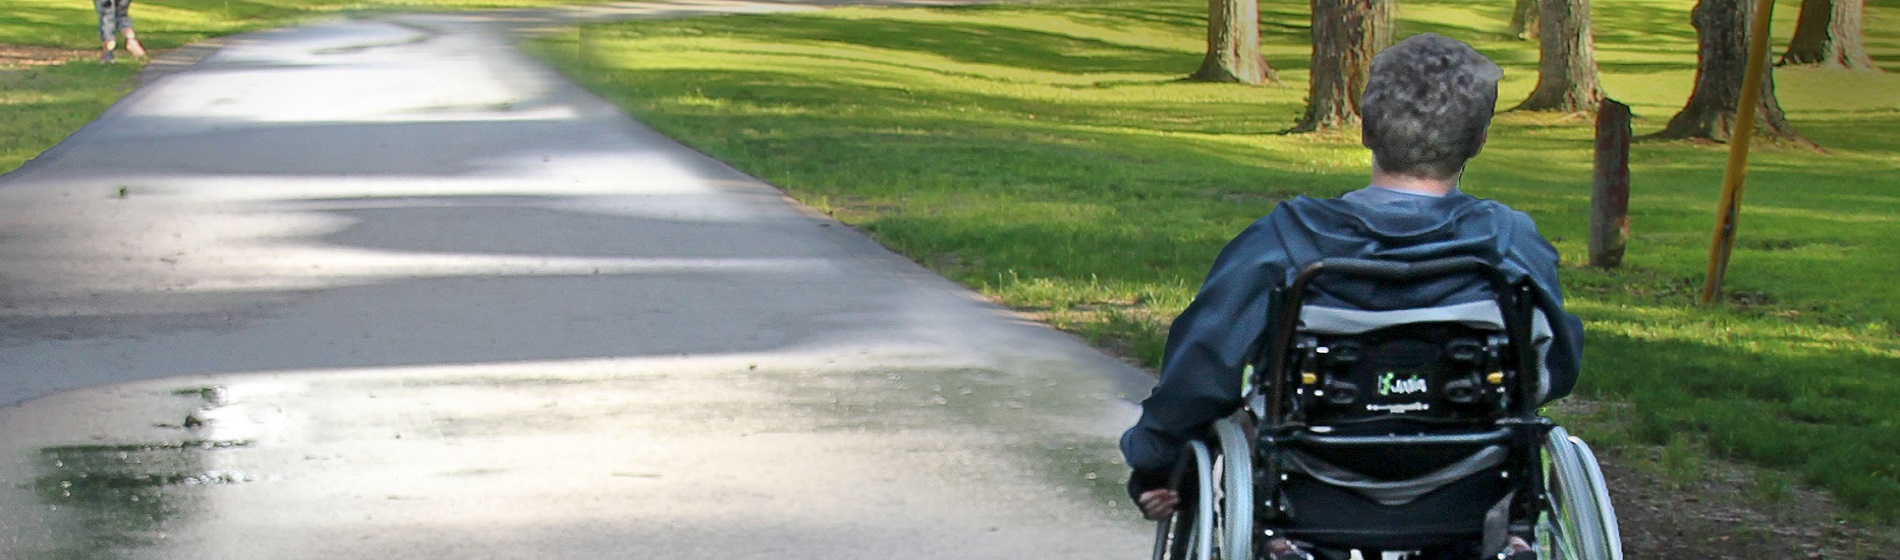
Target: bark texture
(1722,34)
(1829,35)
(1233,44)
(1567,68)
(1346,33)
(1524,19)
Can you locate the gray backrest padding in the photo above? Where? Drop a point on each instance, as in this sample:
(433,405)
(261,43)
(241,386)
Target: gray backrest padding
(1477,314)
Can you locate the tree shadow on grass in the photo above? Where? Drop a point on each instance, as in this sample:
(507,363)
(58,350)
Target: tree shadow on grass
(972,43)
(1186,20)
(937,109)
(40,105)
(68,26)
(918,145)
(1819,413)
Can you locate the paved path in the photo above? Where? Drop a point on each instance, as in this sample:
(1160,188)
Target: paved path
(388,289)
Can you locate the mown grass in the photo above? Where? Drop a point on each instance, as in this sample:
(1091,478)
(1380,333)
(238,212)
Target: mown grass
(165,24)
(1049,156)
(39,106)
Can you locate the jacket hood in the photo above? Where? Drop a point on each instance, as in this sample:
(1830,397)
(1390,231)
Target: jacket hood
(1408,229)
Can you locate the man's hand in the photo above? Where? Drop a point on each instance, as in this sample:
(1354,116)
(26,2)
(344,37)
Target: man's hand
(1159,503)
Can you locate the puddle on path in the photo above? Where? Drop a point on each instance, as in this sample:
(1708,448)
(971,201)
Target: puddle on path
(955,462)
(106,500)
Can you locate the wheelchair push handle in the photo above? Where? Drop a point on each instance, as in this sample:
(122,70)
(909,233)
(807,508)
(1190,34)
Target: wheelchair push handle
(1402,271)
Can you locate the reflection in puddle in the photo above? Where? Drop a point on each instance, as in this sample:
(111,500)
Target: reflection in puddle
(103,499)
(108,500)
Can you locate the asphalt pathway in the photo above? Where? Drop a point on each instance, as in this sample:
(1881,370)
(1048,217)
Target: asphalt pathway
(387,288)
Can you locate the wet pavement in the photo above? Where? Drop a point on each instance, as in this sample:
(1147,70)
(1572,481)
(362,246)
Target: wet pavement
(389,289)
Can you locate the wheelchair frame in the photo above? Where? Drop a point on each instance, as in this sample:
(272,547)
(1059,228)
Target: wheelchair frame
(1565,516)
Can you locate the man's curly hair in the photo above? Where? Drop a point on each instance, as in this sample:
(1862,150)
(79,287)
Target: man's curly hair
(1427,104)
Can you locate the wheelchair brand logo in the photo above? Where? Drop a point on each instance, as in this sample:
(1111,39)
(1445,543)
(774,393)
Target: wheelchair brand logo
(1390,384)
(1399,408)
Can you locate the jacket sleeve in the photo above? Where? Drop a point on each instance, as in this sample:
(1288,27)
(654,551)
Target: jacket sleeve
(1529,249)
(1208,345)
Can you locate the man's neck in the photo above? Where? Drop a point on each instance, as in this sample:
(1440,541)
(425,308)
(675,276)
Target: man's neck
(1420,185)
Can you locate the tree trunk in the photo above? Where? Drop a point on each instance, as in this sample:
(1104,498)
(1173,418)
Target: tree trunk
(1345,36)
(1233,44)
(1722,33)
(1383,28)
(1567,68)
(1828,35)
(1524,19)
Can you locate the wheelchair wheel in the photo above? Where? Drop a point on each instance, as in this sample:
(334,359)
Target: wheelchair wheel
(1612,533)
(1235,516)
(1216,521)
(1580,523)
(1189,533)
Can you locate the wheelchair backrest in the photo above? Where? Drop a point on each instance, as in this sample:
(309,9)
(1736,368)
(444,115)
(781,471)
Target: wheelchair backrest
(1450,362)
(1400,427)
(1436,365)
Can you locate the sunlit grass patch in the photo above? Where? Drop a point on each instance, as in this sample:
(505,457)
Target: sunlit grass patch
(40,106)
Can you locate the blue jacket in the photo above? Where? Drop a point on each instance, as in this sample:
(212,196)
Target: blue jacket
(1211,340)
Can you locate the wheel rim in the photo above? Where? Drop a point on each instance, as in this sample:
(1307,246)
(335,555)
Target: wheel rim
(1600,494)
(1235,517)
(1204,520)
(1574,524)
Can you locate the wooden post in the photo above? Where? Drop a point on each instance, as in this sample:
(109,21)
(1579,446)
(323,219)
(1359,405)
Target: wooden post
(582,39)
(1732,179)
(1610,195)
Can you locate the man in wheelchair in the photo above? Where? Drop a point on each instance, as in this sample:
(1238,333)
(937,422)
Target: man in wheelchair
(1426,107)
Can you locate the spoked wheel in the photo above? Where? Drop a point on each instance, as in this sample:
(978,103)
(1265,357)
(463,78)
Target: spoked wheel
(1580,523)
(1215,521)
(1189,533)
(1174,537)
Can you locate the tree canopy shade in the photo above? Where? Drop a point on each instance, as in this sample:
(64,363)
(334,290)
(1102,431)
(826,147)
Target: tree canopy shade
(1346,33)
(1829,35)
(1722,28)
(1567,67)
(1233,44)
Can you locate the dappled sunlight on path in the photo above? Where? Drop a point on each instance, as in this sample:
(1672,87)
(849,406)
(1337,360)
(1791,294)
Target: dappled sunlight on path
(387,288)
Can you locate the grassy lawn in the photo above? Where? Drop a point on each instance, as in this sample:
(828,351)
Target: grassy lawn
(1047,155)
(165,24)
(41,105)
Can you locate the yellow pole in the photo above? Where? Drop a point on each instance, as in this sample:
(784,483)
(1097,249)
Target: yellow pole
(1744,131)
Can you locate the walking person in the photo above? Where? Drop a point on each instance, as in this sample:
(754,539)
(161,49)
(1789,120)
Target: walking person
(114,17)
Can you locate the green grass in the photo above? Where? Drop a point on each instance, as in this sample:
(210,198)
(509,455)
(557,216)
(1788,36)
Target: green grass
(165,24)
(39,106)
(1049,156)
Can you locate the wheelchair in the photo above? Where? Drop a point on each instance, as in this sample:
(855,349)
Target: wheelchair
(1405,433)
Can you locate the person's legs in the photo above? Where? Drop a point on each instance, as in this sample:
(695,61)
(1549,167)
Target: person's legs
(122,10)
(132,44)
(108,26)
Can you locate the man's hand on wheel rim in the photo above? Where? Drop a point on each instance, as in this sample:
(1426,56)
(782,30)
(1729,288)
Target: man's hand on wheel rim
(1159,503)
